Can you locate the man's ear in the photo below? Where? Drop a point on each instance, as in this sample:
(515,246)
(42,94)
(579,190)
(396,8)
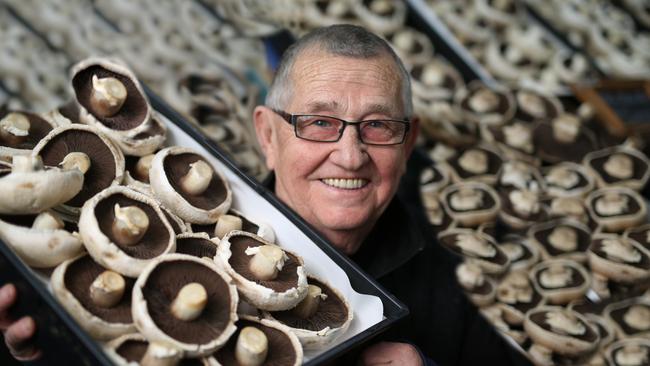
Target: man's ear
(265,131)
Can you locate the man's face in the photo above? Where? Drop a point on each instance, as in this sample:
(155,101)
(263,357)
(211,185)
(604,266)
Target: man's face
(341,188)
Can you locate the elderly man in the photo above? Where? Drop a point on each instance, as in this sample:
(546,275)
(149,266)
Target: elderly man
(337,132)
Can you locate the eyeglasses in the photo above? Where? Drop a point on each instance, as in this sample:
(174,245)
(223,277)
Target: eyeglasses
(319,128)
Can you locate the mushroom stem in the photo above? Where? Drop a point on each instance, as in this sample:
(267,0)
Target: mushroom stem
(77,160)
(26,163)
(142,168)
(226,224)
(48,220)
(309,305)
(158,354)
(190,302)
(130,224)
(252,347)
(267,261)
(14,128)
(107,289)
(198,178)
(107,96)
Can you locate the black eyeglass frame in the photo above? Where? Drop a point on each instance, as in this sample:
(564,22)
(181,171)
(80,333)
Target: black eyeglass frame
(291,119)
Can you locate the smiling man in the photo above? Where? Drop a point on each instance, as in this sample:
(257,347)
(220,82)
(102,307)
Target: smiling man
(337,132)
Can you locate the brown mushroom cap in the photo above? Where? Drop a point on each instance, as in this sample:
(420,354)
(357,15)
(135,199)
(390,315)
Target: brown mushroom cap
(135,110)
(540,329)
(567,179)
(96,229)
(283,346)
(71,286)
(498,105)
(168,168)
(106,161)
(486,253)
(633,213)
(559,246)
(488,203)
(492,168)
(640,168)
(196,244)
(628,352)
(631,317)
(560,280)
(38,128)
(157,288)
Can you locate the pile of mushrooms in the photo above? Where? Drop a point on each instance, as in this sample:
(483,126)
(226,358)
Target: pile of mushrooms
(149,255)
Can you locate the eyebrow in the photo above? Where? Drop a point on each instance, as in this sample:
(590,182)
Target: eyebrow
(317,106)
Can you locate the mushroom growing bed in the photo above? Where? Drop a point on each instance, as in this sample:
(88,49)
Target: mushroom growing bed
(252,207)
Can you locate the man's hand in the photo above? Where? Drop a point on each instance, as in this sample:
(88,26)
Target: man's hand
(17,334)
(391,353)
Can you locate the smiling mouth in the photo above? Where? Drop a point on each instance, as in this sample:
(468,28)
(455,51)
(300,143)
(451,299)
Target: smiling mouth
(345,183)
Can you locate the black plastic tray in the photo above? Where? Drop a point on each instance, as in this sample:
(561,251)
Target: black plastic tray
(64,342)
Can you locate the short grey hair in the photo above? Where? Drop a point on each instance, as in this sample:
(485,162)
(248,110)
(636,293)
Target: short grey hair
(340,40)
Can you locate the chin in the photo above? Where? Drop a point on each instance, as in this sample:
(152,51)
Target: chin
(346,220)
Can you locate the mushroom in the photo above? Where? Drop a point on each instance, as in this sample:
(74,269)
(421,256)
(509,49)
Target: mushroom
(569,207)
(562,238)
(616,208)
(605,328)
(111,99)
(136,174)
(495,315)
(20,131)
(476,164)
(125,230)
(235,220)
(514,139)
(87,149)
(97,298)
(640,234)
(34,188)
(520,251)
(432,179)
(628,352)
(40,240)
(261,342)
(500,14)
(559,331)
(434,80)
(630,317)
(520,175)
(560,280)
(477,248)
(134,348)
(520,208)
(188,185)
(412,46)
(198,245)
(381,16)
(533,106)
(568,179)
(267,276)
(618,259)
(479,288)
(194,312)
(619,166)
(471,203)
(485,105)
(322,316)
(563,139)
(516,296)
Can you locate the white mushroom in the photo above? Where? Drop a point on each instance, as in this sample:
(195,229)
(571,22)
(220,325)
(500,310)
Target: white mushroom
(309,305)
(638,317)
(484,100)
(519,136)
(143,166)
(466,198)
(107,96)
(555,276)
(562,176)
(474,245)
(48,220)
(161,354)
(611,203)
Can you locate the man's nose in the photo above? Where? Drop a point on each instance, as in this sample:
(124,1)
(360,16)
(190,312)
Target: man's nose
(350,152)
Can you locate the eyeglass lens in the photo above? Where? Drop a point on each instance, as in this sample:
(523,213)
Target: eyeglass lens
(322,128)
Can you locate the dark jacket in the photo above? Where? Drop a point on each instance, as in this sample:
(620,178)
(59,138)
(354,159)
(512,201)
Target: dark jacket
(402,254)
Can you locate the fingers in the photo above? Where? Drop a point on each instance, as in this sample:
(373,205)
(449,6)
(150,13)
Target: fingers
(7,298)
(18,339)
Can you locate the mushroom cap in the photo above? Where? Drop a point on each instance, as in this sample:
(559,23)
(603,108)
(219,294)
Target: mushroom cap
(196,338)
(605,328)
(198,245)
(151,137)
(624,321)
(84,270)
(199,209)
(595,162)
(38,190)
(618,270)
(471,244)
(643,345)
(433,178)
(509,215)
(524,259)
(579,182)
(516,295)
(39,127)
(280,337)
(129,349)
(540,332)
(384,22)
(63,140)
(493,165)
(500,113)
(574,287)
(261,294)
(134,115)
(40,248)
(476,216)
(312,335)
(261,229)
(539,234)
(480,288)
(99,240)
(615,223)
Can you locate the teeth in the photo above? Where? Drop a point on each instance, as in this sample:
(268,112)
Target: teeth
(345,183)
